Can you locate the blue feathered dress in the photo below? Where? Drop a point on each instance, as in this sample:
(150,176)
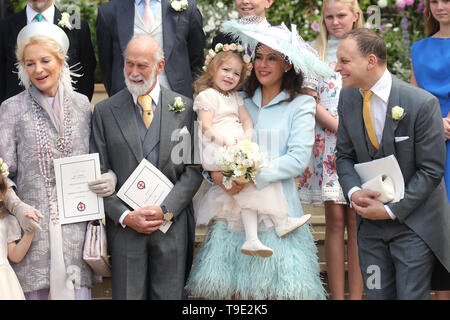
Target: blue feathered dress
(220,270)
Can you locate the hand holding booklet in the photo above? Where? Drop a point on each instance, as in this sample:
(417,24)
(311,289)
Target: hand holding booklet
(383,175)
(146,186)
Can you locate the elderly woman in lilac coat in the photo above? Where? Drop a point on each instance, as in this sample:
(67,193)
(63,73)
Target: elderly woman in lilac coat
(48,120)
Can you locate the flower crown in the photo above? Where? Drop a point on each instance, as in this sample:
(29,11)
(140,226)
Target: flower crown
(229,47)
(3,169)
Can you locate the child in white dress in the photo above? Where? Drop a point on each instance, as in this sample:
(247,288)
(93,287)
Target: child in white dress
(224,121)
(10,288)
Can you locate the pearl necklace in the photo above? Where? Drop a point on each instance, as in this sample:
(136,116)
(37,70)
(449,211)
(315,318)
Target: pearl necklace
(45,150)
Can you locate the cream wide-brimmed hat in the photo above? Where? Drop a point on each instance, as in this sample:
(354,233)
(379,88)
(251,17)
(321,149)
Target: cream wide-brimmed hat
(289,43)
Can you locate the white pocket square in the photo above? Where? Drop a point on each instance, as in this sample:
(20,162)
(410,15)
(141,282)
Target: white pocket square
(184,130)
(399,139)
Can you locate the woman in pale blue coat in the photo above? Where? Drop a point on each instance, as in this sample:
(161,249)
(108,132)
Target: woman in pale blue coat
(284,123)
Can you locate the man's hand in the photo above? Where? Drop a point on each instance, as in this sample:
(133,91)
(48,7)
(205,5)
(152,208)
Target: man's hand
(371,209)
(145,220)
(363,193)
(367,206)
(218,179)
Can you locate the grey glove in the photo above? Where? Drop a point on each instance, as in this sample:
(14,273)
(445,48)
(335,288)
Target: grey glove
(105,186)
(18,208)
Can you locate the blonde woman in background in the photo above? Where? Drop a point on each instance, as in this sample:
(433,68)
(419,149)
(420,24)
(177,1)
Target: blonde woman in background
(319,182)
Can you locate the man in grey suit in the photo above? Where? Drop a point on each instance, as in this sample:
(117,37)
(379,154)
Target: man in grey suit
(400,244)
(147,263)
(179,31)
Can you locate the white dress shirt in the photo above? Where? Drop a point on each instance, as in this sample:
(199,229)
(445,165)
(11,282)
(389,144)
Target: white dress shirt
(154,94)
(48,15)
(378,107)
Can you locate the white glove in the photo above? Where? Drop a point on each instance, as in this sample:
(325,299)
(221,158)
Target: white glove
(105,186)
(19,208)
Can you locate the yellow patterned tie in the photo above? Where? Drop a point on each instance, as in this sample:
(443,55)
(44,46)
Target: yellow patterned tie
(368,119)
(145,102)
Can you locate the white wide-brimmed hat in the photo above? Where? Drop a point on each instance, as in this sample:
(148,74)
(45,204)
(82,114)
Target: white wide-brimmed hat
(289,43)
(46,29)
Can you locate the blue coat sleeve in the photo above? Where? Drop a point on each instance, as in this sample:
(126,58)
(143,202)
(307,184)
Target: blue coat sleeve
(298,145)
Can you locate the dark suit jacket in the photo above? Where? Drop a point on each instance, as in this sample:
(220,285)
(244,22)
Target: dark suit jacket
(183,37)
(80,51)
(425,208)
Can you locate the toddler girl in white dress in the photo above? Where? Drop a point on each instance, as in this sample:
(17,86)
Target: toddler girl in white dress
(10,232)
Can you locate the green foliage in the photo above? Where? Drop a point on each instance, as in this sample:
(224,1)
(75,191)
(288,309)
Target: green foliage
(401,21)
(399,26)
(88,11)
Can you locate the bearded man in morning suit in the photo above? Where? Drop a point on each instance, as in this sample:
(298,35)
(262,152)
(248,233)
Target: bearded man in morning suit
(147,263)
(179,31)
(401,245)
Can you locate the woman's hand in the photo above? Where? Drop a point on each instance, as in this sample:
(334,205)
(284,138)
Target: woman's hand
(218,179)
(19,209)
(105,185)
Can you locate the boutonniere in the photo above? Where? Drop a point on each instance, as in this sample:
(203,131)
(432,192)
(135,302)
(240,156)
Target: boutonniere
(64,22)
(177,106)
(397,113)
(179,5)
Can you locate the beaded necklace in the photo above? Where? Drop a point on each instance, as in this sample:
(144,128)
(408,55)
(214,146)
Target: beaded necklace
(45,150)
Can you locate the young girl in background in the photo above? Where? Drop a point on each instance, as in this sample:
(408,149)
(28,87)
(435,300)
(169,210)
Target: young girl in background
(10,288)
(319,182)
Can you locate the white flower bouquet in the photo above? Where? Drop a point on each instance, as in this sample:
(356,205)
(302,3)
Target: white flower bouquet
(241,162)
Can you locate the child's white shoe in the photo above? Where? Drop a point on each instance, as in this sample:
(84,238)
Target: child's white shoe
(256,248)
(291,224)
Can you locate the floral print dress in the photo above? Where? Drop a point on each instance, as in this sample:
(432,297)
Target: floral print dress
(319,182)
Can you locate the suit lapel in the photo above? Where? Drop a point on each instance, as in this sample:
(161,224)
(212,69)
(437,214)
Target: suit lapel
(19,21)
(169,21)
(124,114)
(57,16)
(168,124)
(390,125)
(125,11)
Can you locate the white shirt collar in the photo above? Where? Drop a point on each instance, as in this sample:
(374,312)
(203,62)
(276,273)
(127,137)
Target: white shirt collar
(382,88)
(49,14)
(154,94)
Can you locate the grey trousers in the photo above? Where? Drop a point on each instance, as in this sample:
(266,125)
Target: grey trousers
(149,266)
(395,262)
